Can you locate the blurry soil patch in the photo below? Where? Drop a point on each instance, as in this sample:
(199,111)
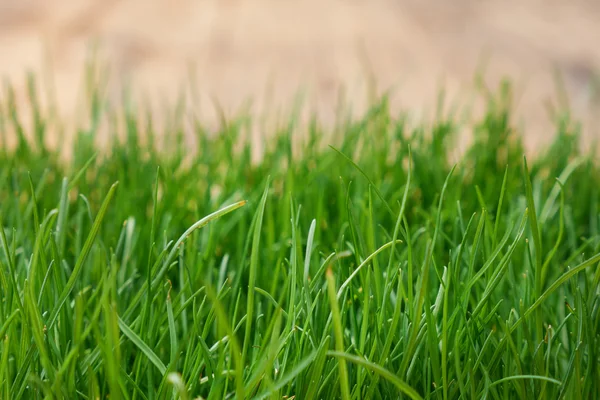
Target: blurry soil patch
(226,52)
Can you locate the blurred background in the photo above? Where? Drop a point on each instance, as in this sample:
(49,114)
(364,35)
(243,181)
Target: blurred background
(230,51)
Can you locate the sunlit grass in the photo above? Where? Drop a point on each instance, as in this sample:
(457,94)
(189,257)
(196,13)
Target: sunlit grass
(355,264)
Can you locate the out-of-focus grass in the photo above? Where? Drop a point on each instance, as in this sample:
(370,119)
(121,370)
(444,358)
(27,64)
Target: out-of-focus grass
(374,268)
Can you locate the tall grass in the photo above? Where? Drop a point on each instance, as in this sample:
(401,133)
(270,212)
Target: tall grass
(374,268)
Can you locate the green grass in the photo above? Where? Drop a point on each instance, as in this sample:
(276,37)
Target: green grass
(374,268)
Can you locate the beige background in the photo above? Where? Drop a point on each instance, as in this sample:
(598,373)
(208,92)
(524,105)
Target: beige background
(269,49)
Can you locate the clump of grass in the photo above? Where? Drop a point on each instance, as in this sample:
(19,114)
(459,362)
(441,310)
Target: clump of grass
(374,268)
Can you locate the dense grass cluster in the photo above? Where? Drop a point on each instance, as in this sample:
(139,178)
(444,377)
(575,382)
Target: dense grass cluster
(374,268)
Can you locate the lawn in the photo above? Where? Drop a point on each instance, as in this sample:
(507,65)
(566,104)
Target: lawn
(355,262)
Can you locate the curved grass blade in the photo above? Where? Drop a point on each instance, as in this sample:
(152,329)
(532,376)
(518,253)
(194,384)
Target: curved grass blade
(301,366)
(377,191)
(515,377)
(199,224)
(154,359)
(173,253)
(379,370)
(563,278)
(8,321)
(73,181)
(365,262)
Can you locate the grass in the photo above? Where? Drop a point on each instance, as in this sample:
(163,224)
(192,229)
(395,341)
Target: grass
(374,268)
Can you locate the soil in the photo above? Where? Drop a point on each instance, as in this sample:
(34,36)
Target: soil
(230,51)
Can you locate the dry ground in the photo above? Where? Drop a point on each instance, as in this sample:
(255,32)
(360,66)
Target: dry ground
(268,49)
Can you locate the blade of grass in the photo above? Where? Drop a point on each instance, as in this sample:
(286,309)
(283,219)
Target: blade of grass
(70,285)
(338,334)
(402,386)
(253,268)
(142,346)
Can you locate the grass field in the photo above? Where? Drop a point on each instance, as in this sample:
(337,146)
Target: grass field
(356,263)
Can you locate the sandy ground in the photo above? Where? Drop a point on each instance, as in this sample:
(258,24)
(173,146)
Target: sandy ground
(233,50)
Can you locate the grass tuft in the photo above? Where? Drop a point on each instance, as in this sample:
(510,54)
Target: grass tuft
(365,262)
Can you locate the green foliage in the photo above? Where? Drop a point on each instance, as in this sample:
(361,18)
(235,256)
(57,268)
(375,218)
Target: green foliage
(374,268)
